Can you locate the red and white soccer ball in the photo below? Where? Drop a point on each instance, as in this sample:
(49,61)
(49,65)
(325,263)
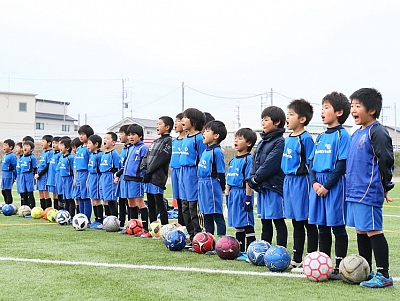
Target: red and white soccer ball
(203,242)
(317,266)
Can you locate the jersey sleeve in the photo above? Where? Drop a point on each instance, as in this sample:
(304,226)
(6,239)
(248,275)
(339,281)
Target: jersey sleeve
(308,143)
(220,162)
(344,144)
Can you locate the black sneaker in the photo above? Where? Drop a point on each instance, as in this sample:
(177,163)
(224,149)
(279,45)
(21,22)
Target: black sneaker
(335,275)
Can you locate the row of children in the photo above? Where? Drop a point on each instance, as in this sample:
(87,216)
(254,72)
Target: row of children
(318,185)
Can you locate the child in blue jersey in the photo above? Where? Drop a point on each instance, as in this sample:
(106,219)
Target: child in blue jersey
(42,169)
(327,175)
(109,165)
(27,165)
(66,167)
(239,196)
(211,178)
(93,183)
(81,174)
(192,148)
(8,170)
(369,169)
(296,186)
(18,150)
(75,143)
(121,189)
(266,176)
(51,174)
(133,175)
(156,163)
(174,164)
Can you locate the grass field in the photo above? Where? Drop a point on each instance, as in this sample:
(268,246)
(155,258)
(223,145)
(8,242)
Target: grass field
(44,261)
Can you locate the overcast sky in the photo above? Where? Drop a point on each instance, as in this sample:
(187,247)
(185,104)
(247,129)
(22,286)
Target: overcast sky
(79,51)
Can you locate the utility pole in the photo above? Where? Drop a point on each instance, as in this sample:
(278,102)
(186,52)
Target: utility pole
(183,96)
(238,116)
(124,95)
(272,102)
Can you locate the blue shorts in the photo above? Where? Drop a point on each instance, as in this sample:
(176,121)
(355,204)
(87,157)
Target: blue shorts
(93,186)
(210,196)
(58,183)
(81,188)
(26,182)
(67,188)
(364,217)
(188,183)
(175,183)
(296,197)
(51,188)
(107,187)
(41,183)
(7,183)
(153,189)
(270,204)
(330,209)
(134,189)
(123,187)
(237,217)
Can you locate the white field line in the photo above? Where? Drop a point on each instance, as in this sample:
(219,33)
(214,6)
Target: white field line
(156,267)
(391,215)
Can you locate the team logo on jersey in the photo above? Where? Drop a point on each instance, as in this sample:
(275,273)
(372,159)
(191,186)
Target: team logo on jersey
(328,146)
(203,164)
(362,141)
(288,153)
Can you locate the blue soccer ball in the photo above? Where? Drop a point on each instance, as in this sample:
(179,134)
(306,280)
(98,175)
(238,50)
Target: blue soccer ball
(277,259)
(175,240)
(8,210)
(256,251)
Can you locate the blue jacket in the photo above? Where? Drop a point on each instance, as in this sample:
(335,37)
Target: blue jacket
(266,162)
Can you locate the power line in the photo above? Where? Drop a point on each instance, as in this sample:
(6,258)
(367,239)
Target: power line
(62,79)
(224,97)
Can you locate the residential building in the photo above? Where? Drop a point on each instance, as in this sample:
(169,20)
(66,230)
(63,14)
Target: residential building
(149,127)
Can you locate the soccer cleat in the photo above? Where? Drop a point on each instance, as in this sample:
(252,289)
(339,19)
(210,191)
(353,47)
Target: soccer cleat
(296,267)
(370,276)
(191,249)
(95,225)
(146,235)
(334,275)
(242,256)
(378,281)
(212,252)
(123,231)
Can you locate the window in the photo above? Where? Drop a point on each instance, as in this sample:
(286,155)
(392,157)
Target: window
(22,106)
(65,128)
(39,126)
(148,133)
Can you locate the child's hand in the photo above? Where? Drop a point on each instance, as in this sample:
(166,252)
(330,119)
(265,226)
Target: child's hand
(388,198)
(316,186)
(116,180)
(36,176)
(322,191)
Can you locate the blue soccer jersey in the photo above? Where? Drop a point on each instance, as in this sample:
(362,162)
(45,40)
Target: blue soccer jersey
(51,173)
(27,163)
(238,171)
(211,162)
(192,148)
(94,162)
(135,156)
(43,160)
(82,158)
(8,166)
(176,152)
(66,165)
(296,152)
(328,149)
(109,161)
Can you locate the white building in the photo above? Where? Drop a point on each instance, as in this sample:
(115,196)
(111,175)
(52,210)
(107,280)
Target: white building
(149,127)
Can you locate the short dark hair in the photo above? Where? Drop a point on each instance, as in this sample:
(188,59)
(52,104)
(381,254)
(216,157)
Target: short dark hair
(197,118)
(67,143)
(136,129)
(55,139)
(95,139)
(28,138)
(19,144)
(86,129)
(63,137)
(48,138)
(168,121)
(370,98)
(179,116)
(114,136)
(302,108)
(218,127)
(276,114)
(208,117)
(123,129)
(339,102)
(30,143)
(249,135)
(75,142)
(10,143)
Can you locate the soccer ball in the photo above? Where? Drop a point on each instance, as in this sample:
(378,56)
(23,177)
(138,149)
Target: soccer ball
(317,266)
(111,223)
(24,211)
(203,242)
(63,217)
(15,209)
(155,229)
(175,240)
(46,211)
(80,222)
(37,212)
(166,228)
(227,247)
(8,210)
(354,269)
(134,226)
(185,231)
(51,215)
(277,258)
(256,251)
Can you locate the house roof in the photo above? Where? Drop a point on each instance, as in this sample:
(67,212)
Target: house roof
(54,116)
(17,93)
(146,123)
(52,101)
